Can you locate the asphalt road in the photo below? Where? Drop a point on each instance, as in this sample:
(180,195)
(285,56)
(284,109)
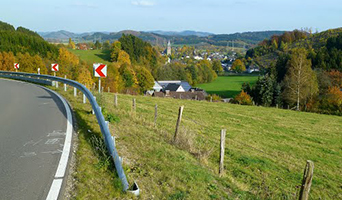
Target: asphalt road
(32,132)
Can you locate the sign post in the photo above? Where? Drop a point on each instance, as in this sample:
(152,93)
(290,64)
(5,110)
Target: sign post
(100,70)
(55,68)
(16,67)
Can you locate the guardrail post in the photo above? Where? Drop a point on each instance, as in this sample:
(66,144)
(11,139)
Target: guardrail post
(92,110)
(75,92)
(65,86)
(84,98)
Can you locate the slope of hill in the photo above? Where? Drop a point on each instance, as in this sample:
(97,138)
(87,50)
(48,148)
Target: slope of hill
(266,55)
(266,150)
(22,40)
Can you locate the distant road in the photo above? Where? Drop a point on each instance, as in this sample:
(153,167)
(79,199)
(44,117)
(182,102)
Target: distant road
(33,124)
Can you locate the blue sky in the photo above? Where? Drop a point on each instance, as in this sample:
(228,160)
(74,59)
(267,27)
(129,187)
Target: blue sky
(216,16)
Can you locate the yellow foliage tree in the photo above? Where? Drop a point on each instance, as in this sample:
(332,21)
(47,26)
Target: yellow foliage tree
(68,63)
(238,66)
(84,77)
(123,58)
(7,61)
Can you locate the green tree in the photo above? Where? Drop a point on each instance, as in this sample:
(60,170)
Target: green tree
(98,45)
(217,67)
(300,82)
(106,45)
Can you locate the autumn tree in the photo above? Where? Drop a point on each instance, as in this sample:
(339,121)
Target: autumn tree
(243,99)
(71,44)
(84,76)
(144,78)
(300,82)
(30,63)
(7,61)
(123,58)
(68,63)
(115,50)
(238,66)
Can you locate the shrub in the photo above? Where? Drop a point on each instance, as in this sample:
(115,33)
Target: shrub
(243,99)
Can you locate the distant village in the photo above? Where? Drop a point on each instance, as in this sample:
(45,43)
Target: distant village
(226,60)
(181,89)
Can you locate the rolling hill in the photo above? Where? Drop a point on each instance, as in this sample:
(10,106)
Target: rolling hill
(247,39)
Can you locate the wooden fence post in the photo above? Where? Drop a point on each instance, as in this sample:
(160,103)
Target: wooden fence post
(115,100)
(134,106)
(222,144)
(155,115)
(307,180)
(180,113)
(108,90)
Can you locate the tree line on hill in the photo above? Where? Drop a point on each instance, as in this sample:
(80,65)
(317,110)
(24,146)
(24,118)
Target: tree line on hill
(306,75)
(134,67)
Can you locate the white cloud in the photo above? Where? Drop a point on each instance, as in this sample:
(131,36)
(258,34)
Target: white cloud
(143,3)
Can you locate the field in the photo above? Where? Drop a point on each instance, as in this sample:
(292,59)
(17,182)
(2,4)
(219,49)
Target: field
(266,150)
(93,56)
(228,86)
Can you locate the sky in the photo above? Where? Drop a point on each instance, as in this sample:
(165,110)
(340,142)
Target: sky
(215,16)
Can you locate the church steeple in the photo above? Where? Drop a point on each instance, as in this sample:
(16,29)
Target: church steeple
(168,52)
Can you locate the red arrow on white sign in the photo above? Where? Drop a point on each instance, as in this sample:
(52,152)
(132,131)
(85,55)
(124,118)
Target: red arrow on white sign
(55,67)
(100,70)
(16,65)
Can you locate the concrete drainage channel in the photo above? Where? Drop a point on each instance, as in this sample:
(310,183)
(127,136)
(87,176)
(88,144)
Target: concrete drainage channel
(110,142)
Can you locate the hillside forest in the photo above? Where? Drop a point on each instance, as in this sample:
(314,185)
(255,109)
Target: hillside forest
(302,72)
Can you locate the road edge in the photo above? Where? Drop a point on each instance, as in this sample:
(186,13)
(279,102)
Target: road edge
(59,178)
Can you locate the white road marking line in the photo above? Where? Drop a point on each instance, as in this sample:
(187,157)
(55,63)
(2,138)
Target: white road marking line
(37,142)
(53,152)
(53,141)
(28,154)
(56,133)
(54,189)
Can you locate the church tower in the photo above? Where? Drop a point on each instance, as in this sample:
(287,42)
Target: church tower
(168,52)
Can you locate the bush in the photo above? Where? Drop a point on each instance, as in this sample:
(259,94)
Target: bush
(214,96)
(243,99)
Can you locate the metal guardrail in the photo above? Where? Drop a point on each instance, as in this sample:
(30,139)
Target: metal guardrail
(103,126)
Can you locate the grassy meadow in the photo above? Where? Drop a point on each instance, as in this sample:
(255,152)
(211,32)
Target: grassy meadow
(228,86)
(93,56)
(265,154)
